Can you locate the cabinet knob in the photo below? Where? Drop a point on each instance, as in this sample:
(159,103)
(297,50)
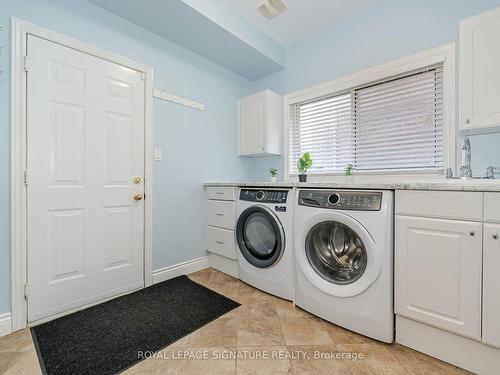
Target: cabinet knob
(472,233)
(495,236)
(467,121)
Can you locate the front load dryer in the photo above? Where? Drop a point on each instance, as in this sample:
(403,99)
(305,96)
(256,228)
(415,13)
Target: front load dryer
(344,258)
(264,237)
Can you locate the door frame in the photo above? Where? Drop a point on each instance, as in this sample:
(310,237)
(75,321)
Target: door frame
(20,29)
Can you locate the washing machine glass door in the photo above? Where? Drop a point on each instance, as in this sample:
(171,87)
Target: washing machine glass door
(336,252)
(260,236)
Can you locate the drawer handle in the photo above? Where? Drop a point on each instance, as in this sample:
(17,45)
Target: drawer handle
(472,233)
(219,193)
(220,242)
(219,214)
(495,236)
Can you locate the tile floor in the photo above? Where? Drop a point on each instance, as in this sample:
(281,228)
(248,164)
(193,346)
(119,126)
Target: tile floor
(269,336)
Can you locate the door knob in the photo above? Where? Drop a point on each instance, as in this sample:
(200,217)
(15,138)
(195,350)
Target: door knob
(137,196)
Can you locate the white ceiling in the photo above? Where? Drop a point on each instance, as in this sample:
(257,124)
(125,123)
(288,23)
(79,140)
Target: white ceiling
(302,18)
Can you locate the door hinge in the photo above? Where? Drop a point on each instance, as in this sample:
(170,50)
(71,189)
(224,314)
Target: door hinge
(26,63)
(143,76)
(26,177)
(26,291)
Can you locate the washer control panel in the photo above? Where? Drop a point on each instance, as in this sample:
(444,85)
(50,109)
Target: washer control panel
(341,199)
(264,196)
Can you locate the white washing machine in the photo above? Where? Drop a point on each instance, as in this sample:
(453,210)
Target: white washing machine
(344,258)
(264,237)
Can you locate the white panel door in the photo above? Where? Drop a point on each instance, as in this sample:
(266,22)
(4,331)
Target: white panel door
(85,145)
(438,272)
(480,71)
(252,121)
(491,285)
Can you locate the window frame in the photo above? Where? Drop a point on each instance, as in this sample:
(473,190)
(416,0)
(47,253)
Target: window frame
(444,55)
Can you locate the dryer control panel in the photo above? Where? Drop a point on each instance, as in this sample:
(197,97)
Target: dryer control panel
(264,196)
(341,199)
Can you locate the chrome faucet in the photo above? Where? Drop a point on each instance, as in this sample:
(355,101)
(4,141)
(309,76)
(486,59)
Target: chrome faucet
(490,172)
(465,167)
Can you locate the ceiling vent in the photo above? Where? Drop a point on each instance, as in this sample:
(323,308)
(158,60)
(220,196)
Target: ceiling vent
(272,8)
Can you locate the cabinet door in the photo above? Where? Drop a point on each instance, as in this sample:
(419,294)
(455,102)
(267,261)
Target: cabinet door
(252,123)
(438,273)
(480,71)
(491,285)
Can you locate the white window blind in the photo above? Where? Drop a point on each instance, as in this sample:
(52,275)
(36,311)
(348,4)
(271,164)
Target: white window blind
(394,124)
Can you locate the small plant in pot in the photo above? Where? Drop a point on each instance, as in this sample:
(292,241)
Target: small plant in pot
(274,174)
(348,169)
(303,164)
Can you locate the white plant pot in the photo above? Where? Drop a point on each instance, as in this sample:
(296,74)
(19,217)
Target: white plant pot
(274,178)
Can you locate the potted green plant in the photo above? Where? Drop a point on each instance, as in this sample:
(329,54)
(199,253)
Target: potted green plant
(274,174)
(349,169)
(303,164)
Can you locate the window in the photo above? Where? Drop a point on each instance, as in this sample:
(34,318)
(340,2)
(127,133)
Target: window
(392,124)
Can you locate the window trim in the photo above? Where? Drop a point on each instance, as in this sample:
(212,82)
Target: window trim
(444,55)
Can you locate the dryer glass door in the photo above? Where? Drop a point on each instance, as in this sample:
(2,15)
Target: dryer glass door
(336,252)
(260,236)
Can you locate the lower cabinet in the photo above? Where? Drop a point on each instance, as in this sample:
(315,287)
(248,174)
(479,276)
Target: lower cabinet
(438,273)
(219,237)
(491,285)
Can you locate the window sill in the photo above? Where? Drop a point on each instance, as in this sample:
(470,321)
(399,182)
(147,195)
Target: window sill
(361,177)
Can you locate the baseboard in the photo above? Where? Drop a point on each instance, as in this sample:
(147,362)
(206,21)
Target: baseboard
(457,350)
(5,324)
(223,264)
(179,269)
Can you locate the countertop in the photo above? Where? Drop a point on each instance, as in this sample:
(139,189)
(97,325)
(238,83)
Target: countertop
(353,183)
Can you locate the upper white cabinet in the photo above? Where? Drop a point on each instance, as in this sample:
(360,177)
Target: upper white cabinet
(260,118)
(480,73)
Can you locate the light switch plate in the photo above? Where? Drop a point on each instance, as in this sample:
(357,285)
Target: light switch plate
(157,154)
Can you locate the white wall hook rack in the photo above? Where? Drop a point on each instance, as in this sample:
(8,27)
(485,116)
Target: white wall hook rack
(173,98)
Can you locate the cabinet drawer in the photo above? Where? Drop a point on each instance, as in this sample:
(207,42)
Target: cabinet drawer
(438,267)
(442,204)
(221,214)
(223,193)
(221,242)
(492,207)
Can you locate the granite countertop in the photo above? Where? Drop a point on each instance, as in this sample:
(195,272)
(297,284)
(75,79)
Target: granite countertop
(352,183)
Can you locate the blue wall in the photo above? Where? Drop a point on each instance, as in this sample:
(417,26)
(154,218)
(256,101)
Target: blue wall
(392,29)
(197,146)
(202,146)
